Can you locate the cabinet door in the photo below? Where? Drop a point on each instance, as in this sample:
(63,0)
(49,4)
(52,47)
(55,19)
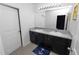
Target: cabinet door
(51,41)
(40,39)
(37,38)
(47,42)
(60,45)
(32,37)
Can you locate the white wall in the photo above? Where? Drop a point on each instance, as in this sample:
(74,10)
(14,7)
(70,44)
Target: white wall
(74,30)
(72,23)
(51,16)
(26,18)
(1,47)
(39,20)
(75,33)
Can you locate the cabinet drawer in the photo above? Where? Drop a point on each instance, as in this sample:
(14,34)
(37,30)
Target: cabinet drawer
(47,43)
(32,37)
(37,38)
(61,51)
(62,41)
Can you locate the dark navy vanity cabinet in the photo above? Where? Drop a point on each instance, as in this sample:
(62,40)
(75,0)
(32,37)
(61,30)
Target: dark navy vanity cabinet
(56,44)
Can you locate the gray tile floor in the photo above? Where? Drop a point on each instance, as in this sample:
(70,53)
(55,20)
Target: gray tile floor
(27,50)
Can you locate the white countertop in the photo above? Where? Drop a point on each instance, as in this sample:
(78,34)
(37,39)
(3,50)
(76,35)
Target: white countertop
(59,33)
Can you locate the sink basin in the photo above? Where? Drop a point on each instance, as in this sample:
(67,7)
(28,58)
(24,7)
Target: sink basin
(56,33)
(39,30)
(59,33)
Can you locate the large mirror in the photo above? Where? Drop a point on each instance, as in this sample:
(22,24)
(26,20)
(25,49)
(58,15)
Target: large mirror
(57,19)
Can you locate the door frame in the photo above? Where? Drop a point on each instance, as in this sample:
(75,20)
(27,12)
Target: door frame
(18,19)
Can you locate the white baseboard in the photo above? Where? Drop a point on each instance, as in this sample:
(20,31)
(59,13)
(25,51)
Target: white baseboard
(26,44)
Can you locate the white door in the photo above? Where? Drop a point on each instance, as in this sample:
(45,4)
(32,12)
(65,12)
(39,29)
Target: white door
(9,29)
